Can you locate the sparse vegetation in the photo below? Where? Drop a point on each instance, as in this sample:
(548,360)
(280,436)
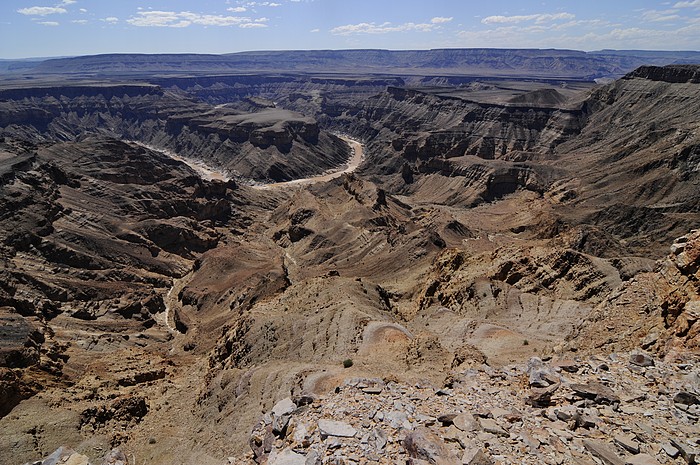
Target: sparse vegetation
(347,363)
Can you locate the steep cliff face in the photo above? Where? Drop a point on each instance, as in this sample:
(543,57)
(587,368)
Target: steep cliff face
(494,148)
(407,119)
(92,233)
(72,91)
(633,169)
(679,74)
(290,91)
(270,144)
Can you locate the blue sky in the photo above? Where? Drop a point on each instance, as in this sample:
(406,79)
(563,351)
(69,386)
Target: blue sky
(40,28)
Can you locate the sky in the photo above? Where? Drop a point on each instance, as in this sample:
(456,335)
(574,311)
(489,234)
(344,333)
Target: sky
(46,28)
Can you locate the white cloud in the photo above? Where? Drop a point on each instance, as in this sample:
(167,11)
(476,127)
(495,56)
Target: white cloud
(252,25)
(42,10)
(49,23)
(589,24)
(185,18)
(384,28)
(315,30)
(111,20)
(237,9)
(591,35)
(68,2)
(270,4)
(80,21)
(537,18)
(441,20)
(660,16)
(154,18)
(83,10)
(691,4)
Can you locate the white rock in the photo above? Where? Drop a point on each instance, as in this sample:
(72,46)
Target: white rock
(301,433)
(466,422)
(641,459)
(283,407)
(286,457)
(336,428)
(475,456)
(670,450)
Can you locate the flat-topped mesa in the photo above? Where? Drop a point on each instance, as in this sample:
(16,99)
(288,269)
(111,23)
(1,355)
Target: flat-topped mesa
(677,74)
(262,129)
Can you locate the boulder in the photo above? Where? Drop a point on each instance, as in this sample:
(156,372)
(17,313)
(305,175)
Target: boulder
(65,456)
(686,398)
(476,456)
(286,457)
(641,459)
(466,422)
(627,442)
(603,451)
(541,397)
(115,457)
(281,413)
(539,374)
(421,444)
(336,428)
(641,359)
(689,453)
(490,426)
(595,391)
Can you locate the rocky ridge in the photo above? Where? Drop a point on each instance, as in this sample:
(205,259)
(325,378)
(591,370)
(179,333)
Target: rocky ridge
(646,195)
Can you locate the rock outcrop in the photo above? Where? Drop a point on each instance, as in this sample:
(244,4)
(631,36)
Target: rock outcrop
(672,73)
(657,310)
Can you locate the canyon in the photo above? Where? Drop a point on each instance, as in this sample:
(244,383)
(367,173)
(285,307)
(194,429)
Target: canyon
(210,266)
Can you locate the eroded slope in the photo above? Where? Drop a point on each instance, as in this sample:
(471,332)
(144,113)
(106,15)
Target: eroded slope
(167,313)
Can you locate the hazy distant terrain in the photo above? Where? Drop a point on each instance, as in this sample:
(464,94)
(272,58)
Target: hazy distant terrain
(525,63)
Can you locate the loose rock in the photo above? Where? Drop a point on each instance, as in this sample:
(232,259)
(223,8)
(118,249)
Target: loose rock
(336,428)
(424,445)
(603,451)
(642,360)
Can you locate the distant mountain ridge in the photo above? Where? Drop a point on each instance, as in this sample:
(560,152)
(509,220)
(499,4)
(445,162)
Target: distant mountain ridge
(534,63)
